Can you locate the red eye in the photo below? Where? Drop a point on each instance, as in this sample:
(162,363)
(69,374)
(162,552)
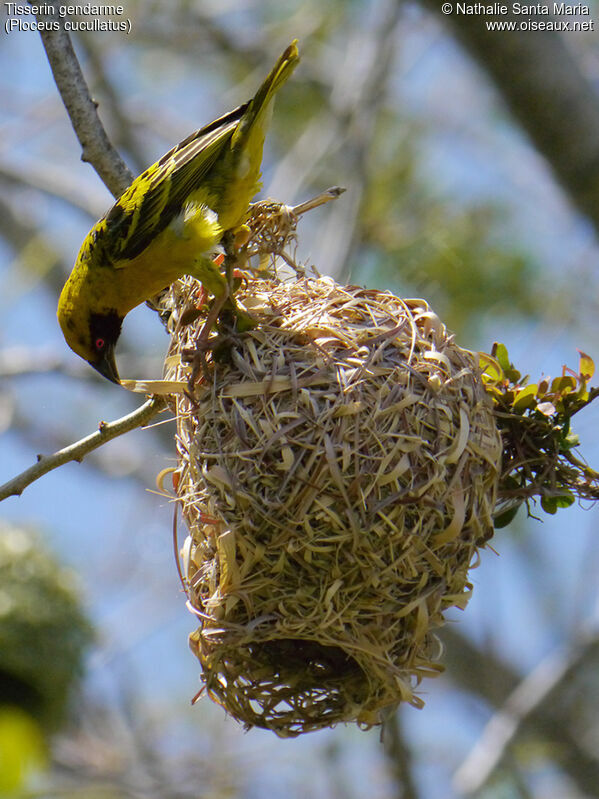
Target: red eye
(100,344)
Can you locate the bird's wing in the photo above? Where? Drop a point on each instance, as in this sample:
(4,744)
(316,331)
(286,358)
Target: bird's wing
(159,194)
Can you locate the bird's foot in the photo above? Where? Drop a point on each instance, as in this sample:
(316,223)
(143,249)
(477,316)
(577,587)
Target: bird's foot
(203,344)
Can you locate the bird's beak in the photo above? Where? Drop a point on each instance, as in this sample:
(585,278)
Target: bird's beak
(106,365)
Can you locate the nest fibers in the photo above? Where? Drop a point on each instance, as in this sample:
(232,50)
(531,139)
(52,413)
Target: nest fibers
(337,471)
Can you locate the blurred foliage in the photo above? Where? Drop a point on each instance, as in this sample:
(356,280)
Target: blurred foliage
(445,250)
(22,750)
(43,631)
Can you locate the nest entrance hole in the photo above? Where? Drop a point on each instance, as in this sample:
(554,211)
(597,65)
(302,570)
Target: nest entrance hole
(305,660)
(288,685)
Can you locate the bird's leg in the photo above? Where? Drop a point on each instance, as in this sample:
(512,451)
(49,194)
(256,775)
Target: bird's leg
(224,301)
(233,241)
(221,299)
(202,342)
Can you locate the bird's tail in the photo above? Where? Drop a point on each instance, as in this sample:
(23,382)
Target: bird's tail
(262,100)
(278,75)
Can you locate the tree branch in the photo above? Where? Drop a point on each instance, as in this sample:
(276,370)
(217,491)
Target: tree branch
(51,179)
(81,108)
(77,451)
(399,757)
(522,703)
(482,673)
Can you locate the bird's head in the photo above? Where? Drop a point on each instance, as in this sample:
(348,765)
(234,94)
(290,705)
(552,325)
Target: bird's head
(104,330)
(91,333)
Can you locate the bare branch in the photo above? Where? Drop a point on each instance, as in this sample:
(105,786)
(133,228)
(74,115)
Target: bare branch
(77,451)
(554,722)
(400,758)
(81,108)
(357,95)
(52,180)
(19,361)
(534,690)
(315,202)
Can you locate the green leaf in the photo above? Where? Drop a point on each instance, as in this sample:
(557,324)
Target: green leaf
(570,441)
(495,392)
(586,367)
(490,367)
(565,500)
(525,398)
(582,394)
(551,504)
(23,751)
(500,352)
(505,518)
(563,384)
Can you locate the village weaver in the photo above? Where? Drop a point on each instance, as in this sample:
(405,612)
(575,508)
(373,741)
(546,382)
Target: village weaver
(167,224)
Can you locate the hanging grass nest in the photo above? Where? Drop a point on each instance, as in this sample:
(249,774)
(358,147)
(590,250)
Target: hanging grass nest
(338,467)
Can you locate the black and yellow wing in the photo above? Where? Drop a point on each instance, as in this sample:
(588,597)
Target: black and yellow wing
(160,193)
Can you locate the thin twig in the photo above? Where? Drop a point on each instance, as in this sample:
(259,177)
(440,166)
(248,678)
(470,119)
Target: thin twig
(81,108)
(78,450)
(400,758)
(534,690)
(553,723)
(357,95)
(51,179)
(324,197)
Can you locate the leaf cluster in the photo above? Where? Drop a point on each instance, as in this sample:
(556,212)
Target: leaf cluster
(538,444)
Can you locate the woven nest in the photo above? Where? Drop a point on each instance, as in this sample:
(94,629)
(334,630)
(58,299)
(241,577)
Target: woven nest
(337,471)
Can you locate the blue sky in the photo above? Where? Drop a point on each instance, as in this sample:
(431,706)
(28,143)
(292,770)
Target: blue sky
(117,534)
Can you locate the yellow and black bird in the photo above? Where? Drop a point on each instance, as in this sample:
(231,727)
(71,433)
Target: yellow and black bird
(167,224)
